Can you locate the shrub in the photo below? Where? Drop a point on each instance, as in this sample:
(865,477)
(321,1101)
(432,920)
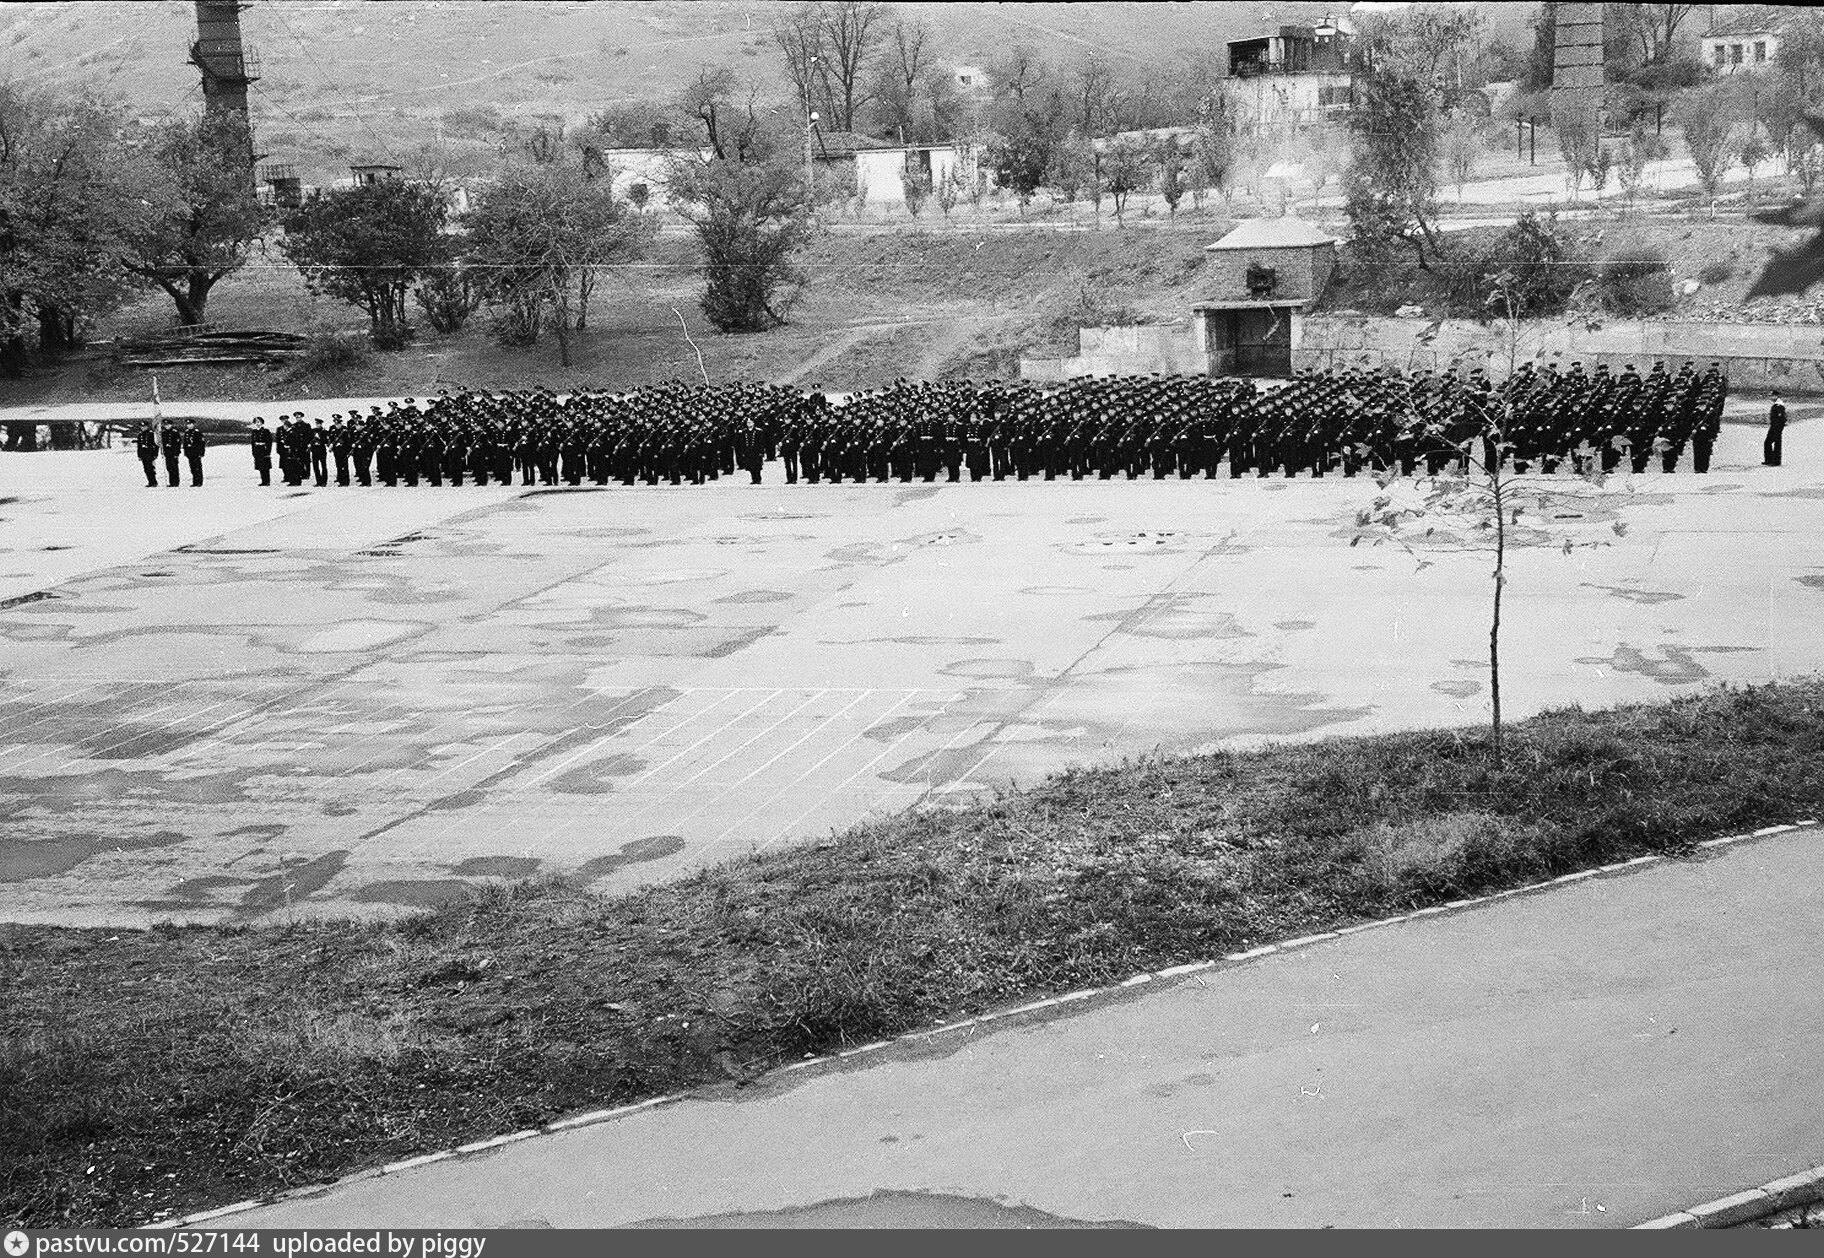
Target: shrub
(448,298)
(1635,282)
(326,349)
(1716,272)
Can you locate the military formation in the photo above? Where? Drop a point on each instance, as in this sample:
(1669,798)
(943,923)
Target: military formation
(1343,422)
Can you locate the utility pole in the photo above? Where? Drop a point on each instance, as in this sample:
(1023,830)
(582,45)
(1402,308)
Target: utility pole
(810,127)
(810,182)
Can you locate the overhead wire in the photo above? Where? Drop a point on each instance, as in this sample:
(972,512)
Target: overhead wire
(276,12)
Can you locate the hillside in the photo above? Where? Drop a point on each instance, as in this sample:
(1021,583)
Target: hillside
(916,303)
(365,80)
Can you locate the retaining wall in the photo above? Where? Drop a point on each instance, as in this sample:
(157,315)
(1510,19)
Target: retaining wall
(1757,357)
(1167,348)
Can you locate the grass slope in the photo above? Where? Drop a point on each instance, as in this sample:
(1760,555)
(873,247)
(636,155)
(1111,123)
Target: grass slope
(929,302)
(146,1074)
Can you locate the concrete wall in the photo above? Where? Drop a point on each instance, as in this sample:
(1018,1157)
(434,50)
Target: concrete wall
(1265,101)
(1757,357)
(1169,348)
(1303,272)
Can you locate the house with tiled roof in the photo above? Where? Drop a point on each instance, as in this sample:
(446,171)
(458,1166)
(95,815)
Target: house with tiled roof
(1746,36)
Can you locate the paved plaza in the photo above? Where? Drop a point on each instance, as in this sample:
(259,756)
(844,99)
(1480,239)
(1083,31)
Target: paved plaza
(244,703)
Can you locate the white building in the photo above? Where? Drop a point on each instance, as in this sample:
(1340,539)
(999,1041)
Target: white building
(1294,76)
(1746,38)
(879,167)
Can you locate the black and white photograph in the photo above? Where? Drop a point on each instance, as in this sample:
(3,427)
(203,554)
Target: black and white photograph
(854,614)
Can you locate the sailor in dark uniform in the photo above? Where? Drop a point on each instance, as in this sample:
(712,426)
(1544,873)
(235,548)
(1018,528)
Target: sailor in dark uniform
(260,440)
(194,444)
(147,446)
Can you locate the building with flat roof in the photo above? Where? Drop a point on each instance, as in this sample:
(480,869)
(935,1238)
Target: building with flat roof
(1292,76)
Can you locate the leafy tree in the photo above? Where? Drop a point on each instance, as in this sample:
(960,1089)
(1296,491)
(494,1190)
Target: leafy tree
(1707,117)
(1325,156)
(1213,150)
(1540,269)
(1798,59)
(1390,191)
(1579,142)
(368,246)
(1753,153)
(746,199)
(1073,167)
(448,297)
(1171,174)
(640,124)
(1461,144)
(1021,163)
(70,198)
(536,235)
(1543,54)
(1421,42)
(950,190)
(1125,169)
(915,186)
(1642,147)
(205,210)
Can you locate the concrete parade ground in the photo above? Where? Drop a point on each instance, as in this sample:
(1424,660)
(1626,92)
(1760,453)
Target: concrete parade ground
(235,702)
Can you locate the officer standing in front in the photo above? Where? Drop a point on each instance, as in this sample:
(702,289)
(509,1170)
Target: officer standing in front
(194,444)
(261,441)
(172,443)
(147,444)
(1776,429)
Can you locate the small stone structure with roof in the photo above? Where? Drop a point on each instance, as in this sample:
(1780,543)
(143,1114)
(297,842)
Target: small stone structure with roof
(1263,278)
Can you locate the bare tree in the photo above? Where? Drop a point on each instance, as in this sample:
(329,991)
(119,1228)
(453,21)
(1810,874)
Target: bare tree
(1480,501)
(905,78)
(908,55)
(730,126)
(1095,93)
(829,47)
(1651,28)
(799,36)
(1021,71)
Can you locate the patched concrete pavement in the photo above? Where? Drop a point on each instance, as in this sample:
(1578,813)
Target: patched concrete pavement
(238,702)
(1591,1055)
